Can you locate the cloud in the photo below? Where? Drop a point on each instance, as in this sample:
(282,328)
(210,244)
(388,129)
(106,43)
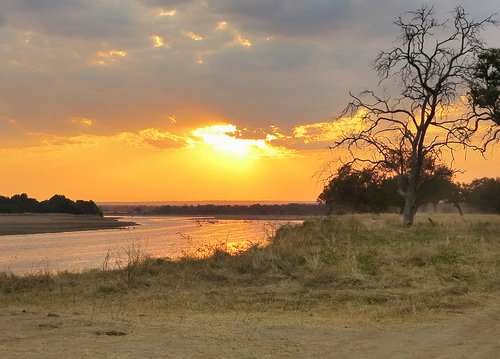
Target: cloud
(106,57)
(90,19)
(330,131)
(284,17)
(155,138)
(83,121)
(259,63)
(226,138)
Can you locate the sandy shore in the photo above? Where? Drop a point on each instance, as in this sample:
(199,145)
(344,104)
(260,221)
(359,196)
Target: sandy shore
(72,333)
(55,222)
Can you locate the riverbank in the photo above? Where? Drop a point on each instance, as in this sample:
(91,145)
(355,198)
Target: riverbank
(31,223)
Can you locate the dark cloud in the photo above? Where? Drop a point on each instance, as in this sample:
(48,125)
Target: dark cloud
(285,17)
(45,6)
(90,19)
(166,3)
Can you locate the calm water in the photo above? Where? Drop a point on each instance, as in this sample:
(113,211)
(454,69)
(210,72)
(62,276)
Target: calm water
(156,236)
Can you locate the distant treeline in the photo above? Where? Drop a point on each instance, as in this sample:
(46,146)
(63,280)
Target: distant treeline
(300,209)
(21,203)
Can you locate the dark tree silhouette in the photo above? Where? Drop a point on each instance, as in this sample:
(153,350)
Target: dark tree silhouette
(437,187)
(21,203)
(400,133)
(369,190)
(484,195)
(484,95)
(356,190)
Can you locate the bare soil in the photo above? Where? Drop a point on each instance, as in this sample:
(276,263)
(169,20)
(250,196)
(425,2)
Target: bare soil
(40,333)
(55,222)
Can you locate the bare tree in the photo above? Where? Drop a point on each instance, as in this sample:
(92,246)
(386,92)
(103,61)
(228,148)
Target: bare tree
(403,133)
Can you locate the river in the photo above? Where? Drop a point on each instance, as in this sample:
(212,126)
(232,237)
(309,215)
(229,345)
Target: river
(155,236)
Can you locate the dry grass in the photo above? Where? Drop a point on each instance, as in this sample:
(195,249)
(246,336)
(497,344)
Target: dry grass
(361,268)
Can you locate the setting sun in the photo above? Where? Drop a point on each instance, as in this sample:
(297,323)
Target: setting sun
(227,138)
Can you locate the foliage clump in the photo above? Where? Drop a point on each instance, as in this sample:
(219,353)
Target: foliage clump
(21,203)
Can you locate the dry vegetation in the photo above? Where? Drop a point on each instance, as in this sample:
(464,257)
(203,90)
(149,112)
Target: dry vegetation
(362,268)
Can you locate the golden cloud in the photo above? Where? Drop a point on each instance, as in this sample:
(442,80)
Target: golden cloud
(164,12)
(158,41)
(151,138)
(221,25)
(194,36)
(242,41)
(330,131)
(224,138)
(105,57)
(86,122)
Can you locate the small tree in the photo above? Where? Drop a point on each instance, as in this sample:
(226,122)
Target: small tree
(484,94)
(358,191)
(438,187)
(402,133)
(484,194)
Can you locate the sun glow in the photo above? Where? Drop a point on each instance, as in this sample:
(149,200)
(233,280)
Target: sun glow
(226,138)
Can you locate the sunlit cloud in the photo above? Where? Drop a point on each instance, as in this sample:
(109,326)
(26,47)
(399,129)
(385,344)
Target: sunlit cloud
(86,122)
(103,57)
(172,119)
(149,138)
(194,36)
(164,12)
(155,138)
(27,37)
(226,138)
(158,41)
(241,40)
(329,131)
(8,119)
(221,25)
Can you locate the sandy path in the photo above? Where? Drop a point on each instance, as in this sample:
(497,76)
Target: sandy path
(34,334)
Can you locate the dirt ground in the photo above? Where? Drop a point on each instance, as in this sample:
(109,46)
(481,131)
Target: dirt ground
(40,333)
(54,222)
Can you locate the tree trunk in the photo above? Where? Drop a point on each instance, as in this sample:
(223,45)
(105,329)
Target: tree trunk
(457,206)
(410,208)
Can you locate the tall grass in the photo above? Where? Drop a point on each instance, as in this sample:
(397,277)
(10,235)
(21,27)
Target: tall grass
(361,266)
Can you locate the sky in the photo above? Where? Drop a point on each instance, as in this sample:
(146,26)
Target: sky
(170,100)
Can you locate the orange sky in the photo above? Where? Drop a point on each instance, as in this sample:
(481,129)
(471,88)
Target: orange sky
(154,165)
(159,100)
(217,162)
